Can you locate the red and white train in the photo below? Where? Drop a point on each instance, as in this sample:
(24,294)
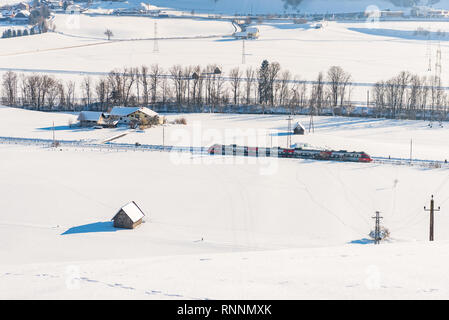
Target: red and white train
(299,153)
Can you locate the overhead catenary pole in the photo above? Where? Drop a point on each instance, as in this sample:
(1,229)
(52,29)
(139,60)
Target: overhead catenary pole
(311,124)
(432,217)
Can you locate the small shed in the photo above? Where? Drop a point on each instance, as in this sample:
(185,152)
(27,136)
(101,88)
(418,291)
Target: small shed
(299,129)
(91,118)
(129,216)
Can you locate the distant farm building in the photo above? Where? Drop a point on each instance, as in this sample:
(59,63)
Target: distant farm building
(299,129)
(135,115)
(427,12)
(22,16)
(391,14)
(129,216)
(249,33)
(73,9)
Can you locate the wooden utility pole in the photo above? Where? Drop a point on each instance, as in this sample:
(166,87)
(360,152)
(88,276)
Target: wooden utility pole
(377,236)
(432,211)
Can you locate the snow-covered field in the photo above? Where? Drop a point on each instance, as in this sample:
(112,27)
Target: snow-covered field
(377,137)
(217,227)
(222,227)
(369,54)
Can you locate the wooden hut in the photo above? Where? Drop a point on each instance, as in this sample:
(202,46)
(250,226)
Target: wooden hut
(129,216)
(299,129)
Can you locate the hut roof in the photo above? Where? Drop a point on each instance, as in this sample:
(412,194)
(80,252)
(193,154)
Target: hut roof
(132,211)
(299,125)
(90,116)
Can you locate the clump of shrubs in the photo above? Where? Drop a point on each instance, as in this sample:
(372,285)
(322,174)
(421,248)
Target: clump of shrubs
(182,121)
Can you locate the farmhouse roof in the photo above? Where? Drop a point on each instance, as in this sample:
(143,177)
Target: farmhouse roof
(126,111)
(132,210)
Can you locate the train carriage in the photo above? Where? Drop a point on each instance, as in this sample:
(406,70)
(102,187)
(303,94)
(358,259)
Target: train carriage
(298,153)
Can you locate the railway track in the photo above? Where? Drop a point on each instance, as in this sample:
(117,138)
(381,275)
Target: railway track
(85,144)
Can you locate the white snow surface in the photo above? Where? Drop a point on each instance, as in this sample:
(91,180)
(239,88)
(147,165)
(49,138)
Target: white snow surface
(219,227)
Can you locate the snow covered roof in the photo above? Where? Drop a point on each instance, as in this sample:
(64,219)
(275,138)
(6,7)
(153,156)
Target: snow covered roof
(132,211)
(126,111)
(23,13)
(89,116)
(123,111)
(252,30)
(299,125)
(149,112)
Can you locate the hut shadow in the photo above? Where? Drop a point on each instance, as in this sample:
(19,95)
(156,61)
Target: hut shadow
(106,226)
(281,134)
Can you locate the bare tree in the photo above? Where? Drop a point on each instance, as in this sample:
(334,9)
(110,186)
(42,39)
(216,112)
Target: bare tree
(10,85)
(87,90)
(108,33)
(236,78)
(155,74)
(249,83)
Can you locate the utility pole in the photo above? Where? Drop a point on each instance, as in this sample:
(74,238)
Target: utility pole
(367,98)
(377,236)
(432,211)
(243,52)
(156,43)
(53,129)
(163,136)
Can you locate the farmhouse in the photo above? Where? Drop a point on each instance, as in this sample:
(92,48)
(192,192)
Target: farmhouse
(135,115)
(129,216)
(249,33)
(21,16)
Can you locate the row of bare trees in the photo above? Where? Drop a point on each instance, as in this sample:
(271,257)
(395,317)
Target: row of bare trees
(411,96)
(200,89)
(178,88)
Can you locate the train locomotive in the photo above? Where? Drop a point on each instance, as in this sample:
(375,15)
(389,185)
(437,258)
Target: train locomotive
(299,153)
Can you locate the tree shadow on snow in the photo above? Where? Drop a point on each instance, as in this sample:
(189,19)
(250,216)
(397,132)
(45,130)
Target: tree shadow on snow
(107,226)
(361,241)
